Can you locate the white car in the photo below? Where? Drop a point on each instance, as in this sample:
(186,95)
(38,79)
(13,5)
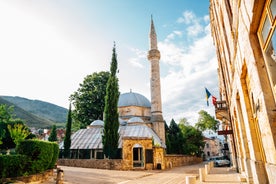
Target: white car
(221,163)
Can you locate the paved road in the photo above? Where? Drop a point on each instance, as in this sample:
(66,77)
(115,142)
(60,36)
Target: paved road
(75,175)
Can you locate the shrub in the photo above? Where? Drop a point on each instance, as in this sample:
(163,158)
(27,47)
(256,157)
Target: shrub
(13,165)
(42,154)
(55,155)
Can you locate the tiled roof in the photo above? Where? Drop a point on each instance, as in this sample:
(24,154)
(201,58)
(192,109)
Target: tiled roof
(91,138)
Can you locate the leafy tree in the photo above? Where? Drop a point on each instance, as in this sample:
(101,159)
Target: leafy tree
(53,134)
(176,138)
(2,135)
(111,122)
(192,139)
(18,132)
(7,118)
(89,99)
(206,122)
(67,139)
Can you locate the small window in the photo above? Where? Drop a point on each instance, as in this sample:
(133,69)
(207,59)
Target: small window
(273,8)
(265,29)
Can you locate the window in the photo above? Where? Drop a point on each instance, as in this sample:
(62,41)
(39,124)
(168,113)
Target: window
(267,38)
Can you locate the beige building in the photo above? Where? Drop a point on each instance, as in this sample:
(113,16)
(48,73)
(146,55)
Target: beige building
(213,147)
(245,39)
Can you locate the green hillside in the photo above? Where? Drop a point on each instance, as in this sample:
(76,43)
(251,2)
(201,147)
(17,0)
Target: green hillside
(36,113)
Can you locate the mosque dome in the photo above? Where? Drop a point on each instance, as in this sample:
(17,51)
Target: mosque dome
(97,123)
(122,122)
(133,99)
(135,120)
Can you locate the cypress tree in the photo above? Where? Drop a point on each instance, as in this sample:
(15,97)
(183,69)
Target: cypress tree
(67,139)
(53,134)
(110,136)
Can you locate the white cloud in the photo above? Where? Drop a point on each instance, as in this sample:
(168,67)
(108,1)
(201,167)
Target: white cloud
(194,29)
(138,57)
(190,70)
(187,17)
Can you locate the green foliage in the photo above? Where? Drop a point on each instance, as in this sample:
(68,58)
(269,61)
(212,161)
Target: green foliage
(183,138)
(6,118)
(168,142)
(53,134)
(18,132)
(67,139)
(55,156)
(13,165)
(42,154)
(192,139)
(89,100)
(176,138)
(206,122)
(111,117)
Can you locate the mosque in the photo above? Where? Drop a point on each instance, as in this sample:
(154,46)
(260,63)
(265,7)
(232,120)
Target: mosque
(142,129)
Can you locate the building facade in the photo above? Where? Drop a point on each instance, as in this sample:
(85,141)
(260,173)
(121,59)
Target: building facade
(245,39)
(213,147)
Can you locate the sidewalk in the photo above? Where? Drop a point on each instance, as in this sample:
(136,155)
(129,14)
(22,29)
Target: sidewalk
(221,175)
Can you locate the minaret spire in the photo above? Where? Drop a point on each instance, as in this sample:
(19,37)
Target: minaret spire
(156,103)
(153,37)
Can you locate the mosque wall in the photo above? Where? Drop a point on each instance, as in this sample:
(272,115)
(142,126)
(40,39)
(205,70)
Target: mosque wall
(134,111)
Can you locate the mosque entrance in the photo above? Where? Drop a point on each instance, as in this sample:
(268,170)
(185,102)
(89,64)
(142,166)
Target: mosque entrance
(138,160)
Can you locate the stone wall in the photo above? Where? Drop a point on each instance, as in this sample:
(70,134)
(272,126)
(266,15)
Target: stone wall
(115,164)
(36,178)
(180,160)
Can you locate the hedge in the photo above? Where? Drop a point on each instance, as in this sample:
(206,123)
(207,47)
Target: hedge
(43,155)
(13,165)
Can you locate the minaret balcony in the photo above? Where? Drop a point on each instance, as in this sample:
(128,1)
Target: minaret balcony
(153,54)
(221,110)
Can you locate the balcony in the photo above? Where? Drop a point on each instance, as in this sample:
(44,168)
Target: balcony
(221,110)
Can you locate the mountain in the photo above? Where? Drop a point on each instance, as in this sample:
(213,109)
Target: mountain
(36,113)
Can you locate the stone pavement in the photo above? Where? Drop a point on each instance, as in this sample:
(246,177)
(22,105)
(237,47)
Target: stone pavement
(177,175)
(222,175)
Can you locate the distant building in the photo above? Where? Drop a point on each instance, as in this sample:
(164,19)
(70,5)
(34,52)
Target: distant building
(245,40)
(213,147)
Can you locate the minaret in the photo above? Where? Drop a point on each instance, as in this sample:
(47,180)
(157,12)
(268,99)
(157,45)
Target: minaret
(155,87)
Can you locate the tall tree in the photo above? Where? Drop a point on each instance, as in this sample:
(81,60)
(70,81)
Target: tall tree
(111,122)
(206,122)
(67,139)
(167,134)
(53,134)
(89,99)
(175,138)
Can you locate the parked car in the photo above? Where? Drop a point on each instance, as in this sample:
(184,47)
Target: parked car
(220,161)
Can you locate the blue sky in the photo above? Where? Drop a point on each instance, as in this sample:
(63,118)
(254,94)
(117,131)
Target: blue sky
(48,47)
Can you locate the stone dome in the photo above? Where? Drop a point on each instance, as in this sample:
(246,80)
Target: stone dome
(97,123)
(122,122)
(133,99)
(135,120)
